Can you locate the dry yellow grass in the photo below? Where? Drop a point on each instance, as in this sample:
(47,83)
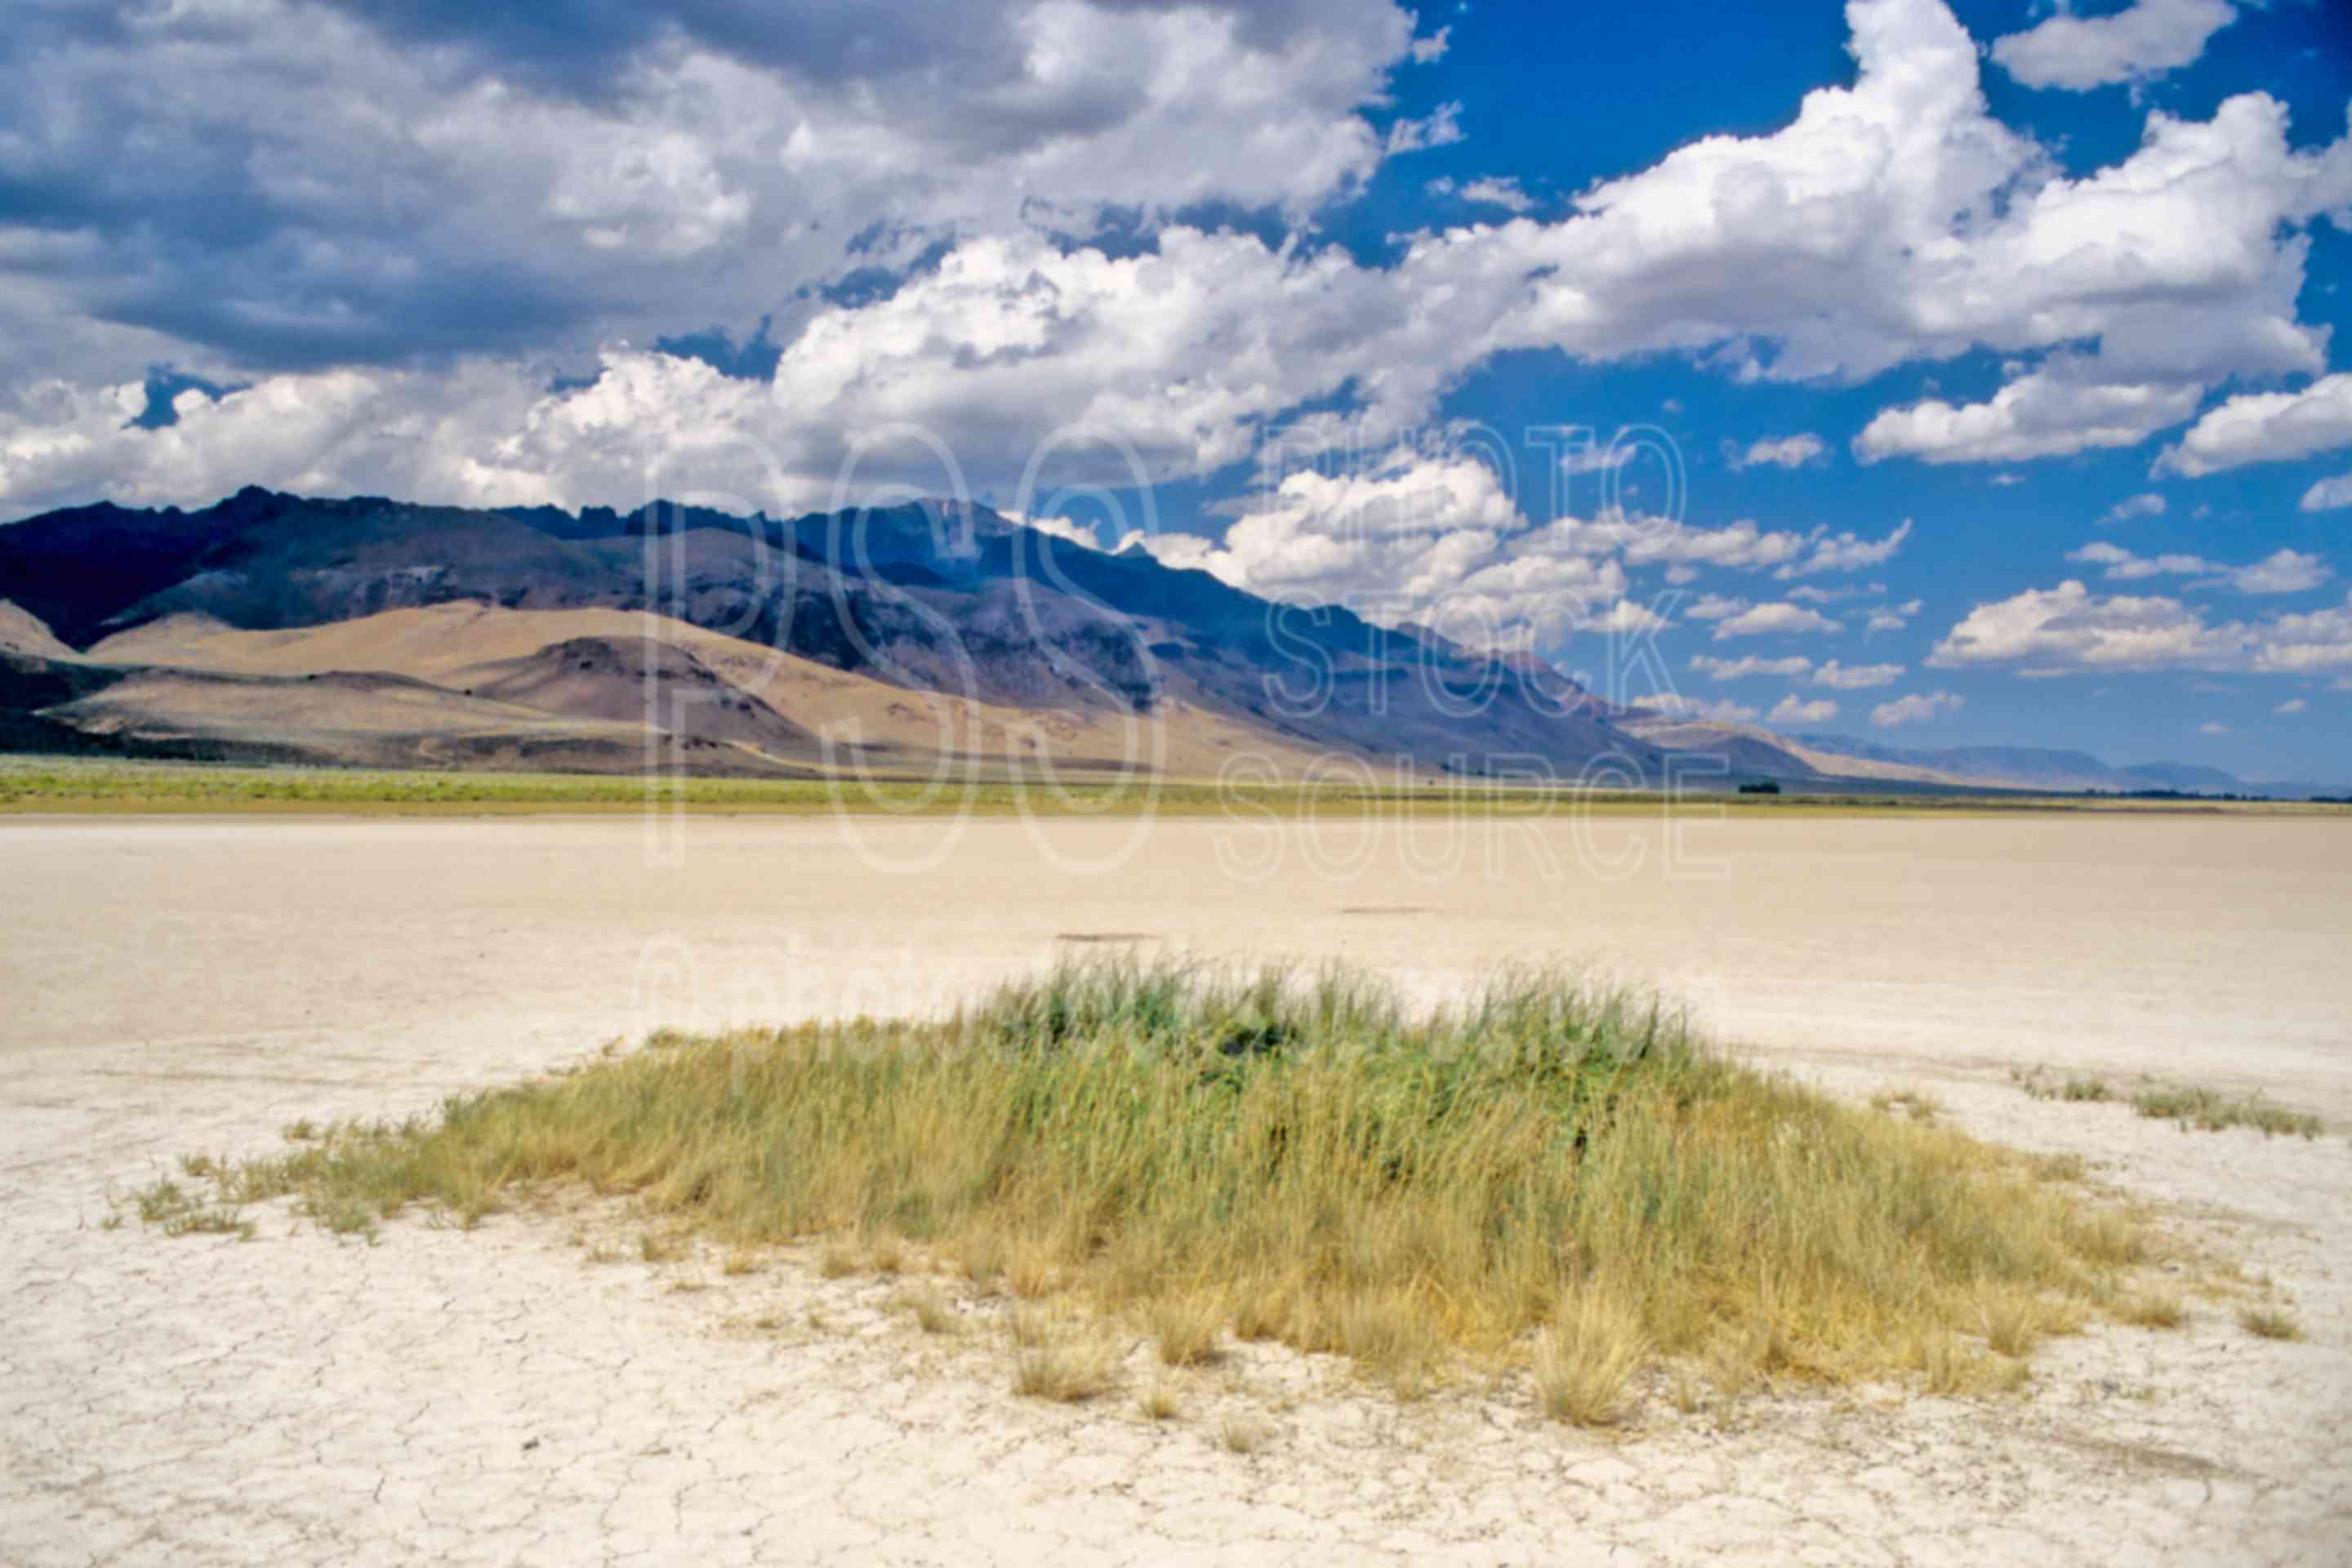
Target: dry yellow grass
(1241,1434)
(1550,1171)
(931,1309)
(1159,1401)
(2015,1321)
(1055,1359)
(2270,1322)
(2152,1310)
(1585,1362)
(1184,1326)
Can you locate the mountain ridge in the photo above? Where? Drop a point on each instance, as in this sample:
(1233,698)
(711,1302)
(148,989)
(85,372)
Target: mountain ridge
(953,601)
(949,630)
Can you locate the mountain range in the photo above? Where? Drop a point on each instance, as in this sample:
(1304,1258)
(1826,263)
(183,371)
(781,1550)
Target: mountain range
(364,630)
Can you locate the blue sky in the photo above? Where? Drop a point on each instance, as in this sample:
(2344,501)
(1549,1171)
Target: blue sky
(2002,349)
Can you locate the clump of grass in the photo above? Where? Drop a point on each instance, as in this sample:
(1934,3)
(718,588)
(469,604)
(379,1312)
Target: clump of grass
(1065,1365)
(1921,1105)
(1159,1401)
(980,1257)
(2152,1310)
(1949,1368)
(2037,1082)
(2270,1322)
(177,1212)
(2013,1321)
(200,1221)
(2211,1112)
(931,1309)
(1585,1362)
(1184,1326)
(344,1215)
(159,1200)
(2207,1110)
(1241,1434)
(1341,1173)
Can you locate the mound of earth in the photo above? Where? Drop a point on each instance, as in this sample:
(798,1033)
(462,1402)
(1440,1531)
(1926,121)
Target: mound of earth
(634,680)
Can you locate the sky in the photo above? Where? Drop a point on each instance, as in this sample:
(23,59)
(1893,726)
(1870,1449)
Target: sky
(1937,374)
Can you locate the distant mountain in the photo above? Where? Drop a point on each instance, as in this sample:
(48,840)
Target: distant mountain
(371,630)
(2039,768)
(953,602)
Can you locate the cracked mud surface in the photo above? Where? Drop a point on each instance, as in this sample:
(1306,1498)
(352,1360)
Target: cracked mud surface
(507,1396)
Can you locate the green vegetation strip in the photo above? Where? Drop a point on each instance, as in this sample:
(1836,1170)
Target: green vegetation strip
(46,785)
(1553,1176)
(2207,1110)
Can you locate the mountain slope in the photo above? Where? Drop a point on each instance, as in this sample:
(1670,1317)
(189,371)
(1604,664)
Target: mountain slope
(949,619)
(23,633)
(867,722)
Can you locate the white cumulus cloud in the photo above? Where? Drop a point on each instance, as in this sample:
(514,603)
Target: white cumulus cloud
(2281,571)
(2265,428)
(1742,668)
(2143,40)
(2070,628)
(1848,551)
(2132,508)
(2329,495)
(1676,705)
(1916,709)
(1794,710)
(1764,620)
(1858,677)
(1782,451)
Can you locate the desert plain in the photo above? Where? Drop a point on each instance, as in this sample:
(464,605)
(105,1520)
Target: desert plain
(525,1393)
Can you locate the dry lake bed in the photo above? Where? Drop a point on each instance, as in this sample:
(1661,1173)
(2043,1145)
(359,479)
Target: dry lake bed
(169,987)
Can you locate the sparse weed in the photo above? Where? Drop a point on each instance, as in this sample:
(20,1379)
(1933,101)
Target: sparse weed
(2152,1310)
(160,1201)
(196,1220)
(1920,1105)
(1685,1392)
(2270,1322)
(2207,1110)
(2211,1112)
(1241,1434)
(932,1310)
(345,1215)
(1159,1401)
